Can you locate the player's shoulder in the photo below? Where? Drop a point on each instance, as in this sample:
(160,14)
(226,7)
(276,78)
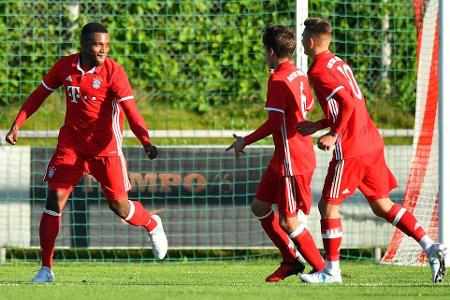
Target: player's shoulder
(68,60)
(113,66)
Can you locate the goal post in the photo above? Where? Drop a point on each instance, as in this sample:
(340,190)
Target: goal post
(425,182)
(444,125)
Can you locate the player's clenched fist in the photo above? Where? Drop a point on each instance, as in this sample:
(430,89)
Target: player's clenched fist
(13,135)
(151,151)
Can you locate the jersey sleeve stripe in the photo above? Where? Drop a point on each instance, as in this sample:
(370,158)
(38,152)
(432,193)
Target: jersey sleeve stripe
(334,92)
(274,109)
(124,98)
(310,105)
(46,86)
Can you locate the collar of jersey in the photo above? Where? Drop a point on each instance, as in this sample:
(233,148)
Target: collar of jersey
(285,64)
(319,57)
(76,63)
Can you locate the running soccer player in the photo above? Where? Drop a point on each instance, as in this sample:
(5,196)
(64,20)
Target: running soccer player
(287,180)
(358,158)
(97,95)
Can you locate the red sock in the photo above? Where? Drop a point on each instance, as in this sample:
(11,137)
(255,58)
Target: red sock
(139,216)
(48,231)
(271,226)
(405,221)
(307,247)
(332,238)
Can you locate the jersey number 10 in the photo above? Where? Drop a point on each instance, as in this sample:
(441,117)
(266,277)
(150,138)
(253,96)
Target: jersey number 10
(347,72)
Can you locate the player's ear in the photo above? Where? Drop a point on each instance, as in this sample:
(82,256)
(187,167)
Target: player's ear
(312,42)
(271,52)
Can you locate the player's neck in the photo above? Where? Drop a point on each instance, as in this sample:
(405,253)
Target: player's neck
(278,62)
(85,62)
(319,51)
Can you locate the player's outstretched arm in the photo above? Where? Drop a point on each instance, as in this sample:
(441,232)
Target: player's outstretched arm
(33,102)
(273,123)
(138,126)
(306,128)
(238,146)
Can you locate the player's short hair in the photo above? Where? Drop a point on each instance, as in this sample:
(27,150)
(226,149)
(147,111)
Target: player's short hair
(280,38)
(317,26)
(90,28)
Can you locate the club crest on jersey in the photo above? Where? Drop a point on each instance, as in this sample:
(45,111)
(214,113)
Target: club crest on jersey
(96,83)
(51,172)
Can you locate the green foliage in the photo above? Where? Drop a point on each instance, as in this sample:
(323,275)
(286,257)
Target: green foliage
(202,56)
(378,40)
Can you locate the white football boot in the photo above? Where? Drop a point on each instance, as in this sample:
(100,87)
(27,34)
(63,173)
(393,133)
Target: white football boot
(436,256)
(45,274)
(157,237)
(321,277)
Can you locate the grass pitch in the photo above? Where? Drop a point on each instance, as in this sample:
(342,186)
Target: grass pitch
(214,280)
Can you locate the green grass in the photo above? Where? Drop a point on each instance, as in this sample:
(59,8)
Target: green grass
(218,280)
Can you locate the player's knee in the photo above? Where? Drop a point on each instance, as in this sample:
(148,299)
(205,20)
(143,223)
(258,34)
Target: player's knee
(118,208)
(260,208)
(323,207)
(380,207)
(56,200)
(288,224)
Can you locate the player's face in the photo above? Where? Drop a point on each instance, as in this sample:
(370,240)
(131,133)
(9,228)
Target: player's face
(97,48)
(270,57)
(307,43)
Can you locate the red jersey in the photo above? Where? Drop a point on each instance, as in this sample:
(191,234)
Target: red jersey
(289,93)
(94,121)
(329,74)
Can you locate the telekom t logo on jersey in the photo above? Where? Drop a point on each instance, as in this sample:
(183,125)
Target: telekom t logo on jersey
(74,92)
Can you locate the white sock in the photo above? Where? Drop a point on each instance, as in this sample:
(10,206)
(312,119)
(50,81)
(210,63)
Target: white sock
(332,267)
(426,242)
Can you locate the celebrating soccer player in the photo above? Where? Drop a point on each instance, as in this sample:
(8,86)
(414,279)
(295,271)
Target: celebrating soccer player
(97,95)
(287,180)
(358,158)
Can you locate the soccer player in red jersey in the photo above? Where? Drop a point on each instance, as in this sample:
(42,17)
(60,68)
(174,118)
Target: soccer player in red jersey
(98,94)
(287,180)
(358,158)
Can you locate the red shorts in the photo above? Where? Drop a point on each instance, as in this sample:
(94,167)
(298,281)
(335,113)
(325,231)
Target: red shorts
(369,173)
(289,193)
(66,168)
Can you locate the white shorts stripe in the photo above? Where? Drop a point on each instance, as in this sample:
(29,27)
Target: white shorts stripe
(336,184)
(291,200)
(118,137)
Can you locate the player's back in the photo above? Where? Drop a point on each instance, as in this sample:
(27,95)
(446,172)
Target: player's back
(289,93)
(328,75)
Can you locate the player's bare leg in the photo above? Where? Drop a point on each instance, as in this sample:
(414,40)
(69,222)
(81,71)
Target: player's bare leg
(407,223)
(331,228)
(48,231)
(270,223)
(135,214)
